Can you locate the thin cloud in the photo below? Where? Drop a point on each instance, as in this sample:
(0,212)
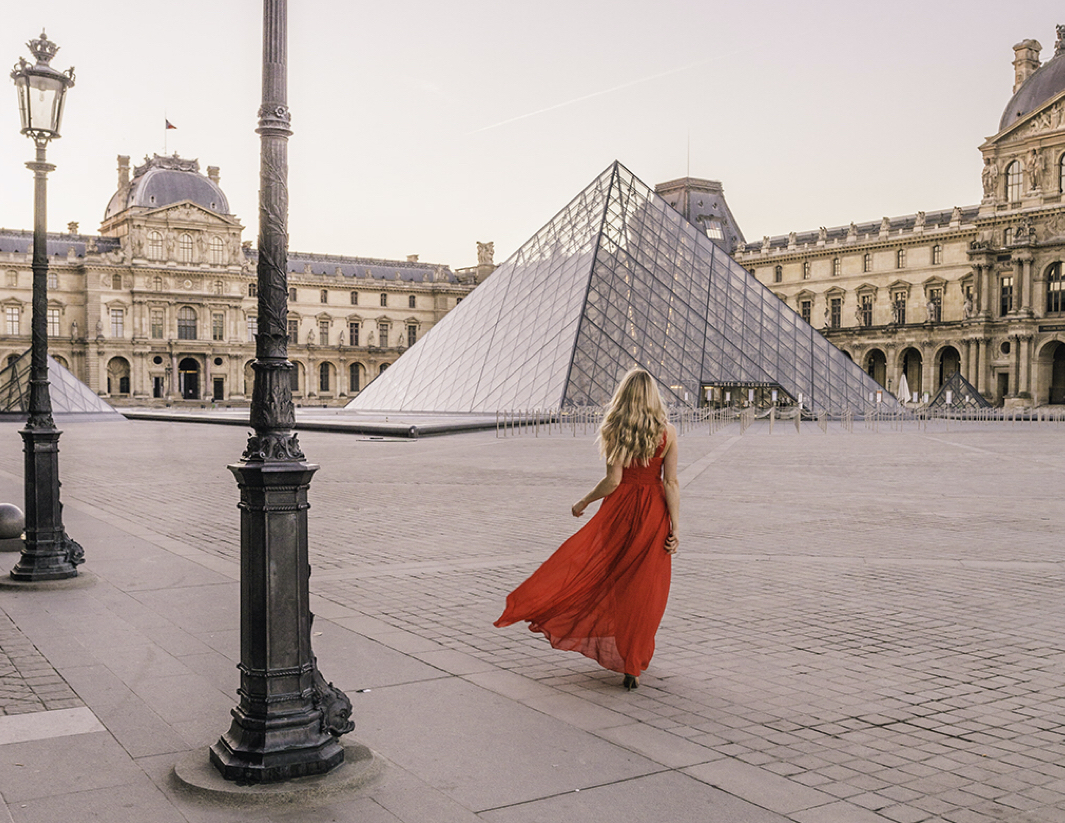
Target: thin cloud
(581,99)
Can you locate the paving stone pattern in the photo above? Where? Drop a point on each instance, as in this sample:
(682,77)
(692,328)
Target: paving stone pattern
(876,615)
(28,683)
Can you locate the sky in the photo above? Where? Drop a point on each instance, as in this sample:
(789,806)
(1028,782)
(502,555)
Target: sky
(422,127)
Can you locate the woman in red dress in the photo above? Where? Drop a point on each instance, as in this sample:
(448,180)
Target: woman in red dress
(604,591)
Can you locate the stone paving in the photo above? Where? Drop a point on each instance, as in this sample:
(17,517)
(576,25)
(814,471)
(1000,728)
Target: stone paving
(862,626)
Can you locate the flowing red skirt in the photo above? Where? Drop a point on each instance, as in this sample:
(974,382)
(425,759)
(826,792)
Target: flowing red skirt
(604,591)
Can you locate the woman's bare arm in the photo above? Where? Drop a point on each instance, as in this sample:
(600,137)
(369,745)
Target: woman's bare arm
(671,486)
(602,489)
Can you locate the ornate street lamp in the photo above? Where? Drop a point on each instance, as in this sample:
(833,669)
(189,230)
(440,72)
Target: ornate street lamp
(47,554)
(288,720)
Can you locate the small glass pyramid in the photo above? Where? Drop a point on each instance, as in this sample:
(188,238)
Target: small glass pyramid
(617,278)
(958,393)
(68,394)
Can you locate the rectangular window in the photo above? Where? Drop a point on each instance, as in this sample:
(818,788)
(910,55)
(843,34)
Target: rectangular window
(323,296)
(412,334)
(354,298)
(253,328)
(253,290)
(53,280)
(867,262)
(806,309)
(353,333)
(382,334)
(293,331)
(837,267)
(1006,295)
(323,332)
(937,254)
(1007,237)
(806,271)
(12,315)
(384,299)
(836,316)
(53,322)
(118,322)
(898,308)
(865,310)
(935,305)
(411,302)
(157,324)
(218,326)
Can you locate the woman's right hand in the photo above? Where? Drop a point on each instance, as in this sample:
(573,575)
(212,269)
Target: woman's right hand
(579,507)
(672,542)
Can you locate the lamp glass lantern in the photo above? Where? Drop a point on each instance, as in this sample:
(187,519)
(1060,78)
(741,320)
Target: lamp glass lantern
(41,91)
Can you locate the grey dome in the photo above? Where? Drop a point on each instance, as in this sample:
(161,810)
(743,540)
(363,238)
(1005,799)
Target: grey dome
(1048,81)
(162,181)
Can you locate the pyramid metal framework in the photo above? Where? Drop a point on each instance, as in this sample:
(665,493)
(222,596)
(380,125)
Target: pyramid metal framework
(961,393)
(68,394)
(618,278)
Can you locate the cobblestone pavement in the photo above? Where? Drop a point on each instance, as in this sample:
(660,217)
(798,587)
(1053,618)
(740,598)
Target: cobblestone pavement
(877,616)
(27,682)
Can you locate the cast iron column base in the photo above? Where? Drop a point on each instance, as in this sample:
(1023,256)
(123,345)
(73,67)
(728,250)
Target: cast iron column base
(47,554)
(288,719)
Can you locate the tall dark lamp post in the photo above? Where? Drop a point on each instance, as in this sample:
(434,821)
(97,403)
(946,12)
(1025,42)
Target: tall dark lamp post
(47,554)
(288,719)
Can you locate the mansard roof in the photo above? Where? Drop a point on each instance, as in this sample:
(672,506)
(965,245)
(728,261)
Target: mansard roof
(1046,82)
(162,181)
(866,232)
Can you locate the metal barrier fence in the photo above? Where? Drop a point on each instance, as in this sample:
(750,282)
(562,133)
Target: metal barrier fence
(585,420)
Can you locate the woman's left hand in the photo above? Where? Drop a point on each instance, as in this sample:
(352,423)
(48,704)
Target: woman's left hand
(672,543)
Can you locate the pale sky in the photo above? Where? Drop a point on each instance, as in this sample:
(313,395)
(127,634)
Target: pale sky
(422,127)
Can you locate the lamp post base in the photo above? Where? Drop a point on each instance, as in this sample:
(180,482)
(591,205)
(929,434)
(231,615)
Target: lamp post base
(276,750)
(48,553)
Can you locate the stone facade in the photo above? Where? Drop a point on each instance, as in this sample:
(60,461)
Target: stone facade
(161,306)
(977,288)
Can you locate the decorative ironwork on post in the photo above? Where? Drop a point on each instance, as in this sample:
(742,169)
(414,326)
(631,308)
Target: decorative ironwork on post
(288,720)
(48,553)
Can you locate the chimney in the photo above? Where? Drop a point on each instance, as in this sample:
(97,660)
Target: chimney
(123,171)
(212,173)
(1026,61)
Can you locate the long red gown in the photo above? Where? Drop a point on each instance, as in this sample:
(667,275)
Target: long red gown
(604,591)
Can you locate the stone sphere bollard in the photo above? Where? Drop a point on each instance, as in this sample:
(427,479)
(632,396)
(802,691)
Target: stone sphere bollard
(12,521)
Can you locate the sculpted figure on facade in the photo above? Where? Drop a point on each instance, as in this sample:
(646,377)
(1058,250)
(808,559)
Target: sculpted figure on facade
(765,244)
(136,238)
(989,177)
(485,253)
(967,306)
(791,240)
(1033,167)
(885,227)
(852,231)
(170,241)
(822,235)
(918,223)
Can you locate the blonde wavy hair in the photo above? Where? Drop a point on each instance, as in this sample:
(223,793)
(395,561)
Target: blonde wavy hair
(632,427)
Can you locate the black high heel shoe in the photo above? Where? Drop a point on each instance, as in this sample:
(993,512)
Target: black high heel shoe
(630,683)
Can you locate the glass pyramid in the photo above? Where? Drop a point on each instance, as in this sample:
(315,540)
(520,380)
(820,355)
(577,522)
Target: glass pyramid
(618,278)
(68,394)
(961,394)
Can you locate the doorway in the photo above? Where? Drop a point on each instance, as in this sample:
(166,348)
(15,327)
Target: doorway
(189,379)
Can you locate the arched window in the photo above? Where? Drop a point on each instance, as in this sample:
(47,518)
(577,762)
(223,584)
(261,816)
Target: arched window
(778,276)
(354,377)
(1013,182)
(116,281)
(157,283)
(217,251)
(900,259)
(867,262)
(155,245)
(937,254)
(185,248)
(1061,174)
(323,377)
(253,290)
(186,323)
(1055,289)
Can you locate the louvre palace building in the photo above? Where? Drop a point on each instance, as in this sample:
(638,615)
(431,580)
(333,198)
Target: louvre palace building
(160,306)
(977,289)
